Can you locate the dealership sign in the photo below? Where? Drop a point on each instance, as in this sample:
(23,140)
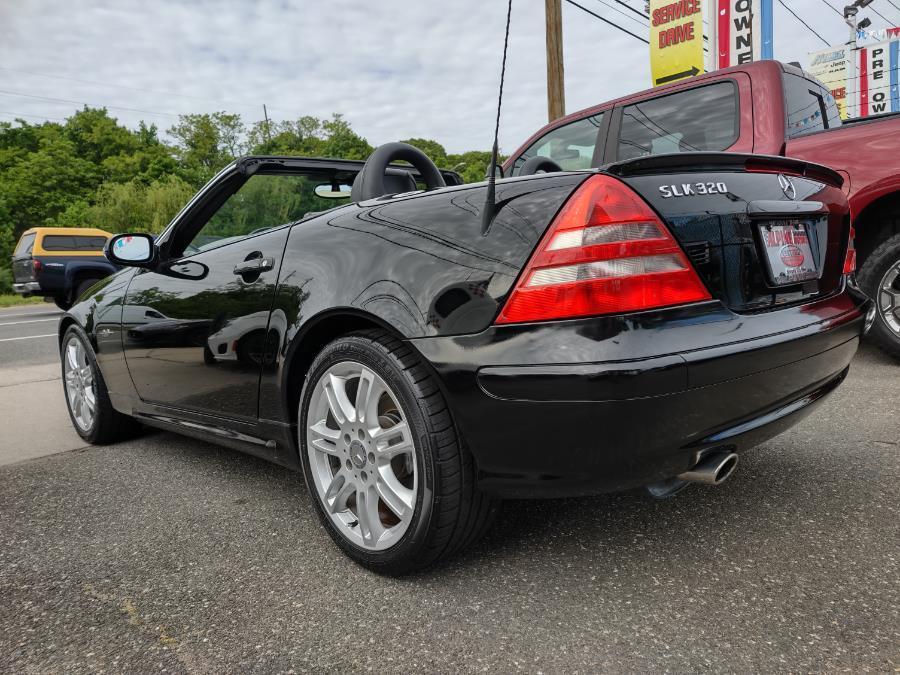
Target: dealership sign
(742,31)
(878,90)
(866,83)
(676,40)
(829,66)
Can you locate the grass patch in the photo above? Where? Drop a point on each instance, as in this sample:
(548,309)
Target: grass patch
(14,300)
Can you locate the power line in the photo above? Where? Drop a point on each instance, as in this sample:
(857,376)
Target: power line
(804,23)
(627,16)
(611,23)
(90,105)
(638,12)
(895,6)
(39,117)
(887,20)
(835,9)
(122,86)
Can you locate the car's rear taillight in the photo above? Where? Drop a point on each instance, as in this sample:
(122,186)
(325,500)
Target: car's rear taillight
(606,252)
(850,258)
(36,266)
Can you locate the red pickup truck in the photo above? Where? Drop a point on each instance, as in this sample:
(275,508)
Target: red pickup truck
(768,108)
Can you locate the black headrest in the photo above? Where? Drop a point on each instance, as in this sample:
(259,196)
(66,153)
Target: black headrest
(395,182)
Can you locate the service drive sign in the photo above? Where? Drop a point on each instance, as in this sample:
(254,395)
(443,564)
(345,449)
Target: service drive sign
(741,31)
(878,66)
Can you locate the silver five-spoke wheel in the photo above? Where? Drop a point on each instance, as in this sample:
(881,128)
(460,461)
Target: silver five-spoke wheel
(362,455)
(889,298)
(81,391)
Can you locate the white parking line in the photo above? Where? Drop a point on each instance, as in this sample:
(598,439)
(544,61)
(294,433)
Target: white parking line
(4,315)
(27,337)
(19,323)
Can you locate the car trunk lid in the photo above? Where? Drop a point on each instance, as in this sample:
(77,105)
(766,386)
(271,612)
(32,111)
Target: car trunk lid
(762,232)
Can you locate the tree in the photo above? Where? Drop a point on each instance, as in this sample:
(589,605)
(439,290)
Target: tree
(39,187)
(207,142)
(96,136)
(132,206)
(433,149)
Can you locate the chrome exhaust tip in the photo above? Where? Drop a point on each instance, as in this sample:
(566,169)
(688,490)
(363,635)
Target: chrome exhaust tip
(713,469)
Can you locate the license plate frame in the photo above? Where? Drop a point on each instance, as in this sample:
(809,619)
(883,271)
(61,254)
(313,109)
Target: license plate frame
(788,252)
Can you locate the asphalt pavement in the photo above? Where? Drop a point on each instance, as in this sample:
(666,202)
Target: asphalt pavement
(168,554)
(32,410)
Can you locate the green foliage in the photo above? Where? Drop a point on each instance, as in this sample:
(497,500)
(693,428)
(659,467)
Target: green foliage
(6,281)
(471,166)
(308,137)
(133,206)
(90,171)
(207,142)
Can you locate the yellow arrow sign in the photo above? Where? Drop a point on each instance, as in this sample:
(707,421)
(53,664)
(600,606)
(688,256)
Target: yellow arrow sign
(676,40)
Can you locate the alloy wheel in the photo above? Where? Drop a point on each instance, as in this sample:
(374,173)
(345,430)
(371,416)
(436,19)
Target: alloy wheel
(81,390)
(889,298)
(362,456)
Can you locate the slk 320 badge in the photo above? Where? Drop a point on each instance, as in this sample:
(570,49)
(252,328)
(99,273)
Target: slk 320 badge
(691,189)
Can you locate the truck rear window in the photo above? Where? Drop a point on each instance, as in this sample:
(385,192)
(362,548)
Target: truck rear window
(810,106)
(63,242)
(26,243)
(694,120)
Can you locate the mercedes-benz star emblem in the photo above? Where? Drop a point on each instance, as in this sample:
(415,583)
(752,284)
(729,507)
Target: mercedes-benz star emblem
(787,186)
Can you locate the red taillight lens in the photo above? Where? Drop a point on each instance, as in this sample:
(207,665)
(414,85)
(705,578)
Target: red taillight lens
(606,252)
(850,258)
(36,266)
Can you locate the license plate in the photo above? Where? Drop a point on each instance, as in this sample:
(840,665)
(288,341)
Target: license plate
(788,252)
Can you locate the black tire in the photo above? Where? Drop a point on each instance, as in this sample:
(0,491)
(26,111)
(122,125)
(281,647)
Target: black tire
(450,513)
(109,425)
(62,302)
(873,270)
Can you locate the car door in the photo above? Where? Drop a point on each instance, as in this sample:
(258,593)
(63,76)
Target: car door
(196,328)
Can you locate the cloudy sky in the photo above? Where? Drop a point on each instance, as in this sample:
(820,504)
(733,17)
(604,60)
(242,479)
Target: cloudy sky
(394,68)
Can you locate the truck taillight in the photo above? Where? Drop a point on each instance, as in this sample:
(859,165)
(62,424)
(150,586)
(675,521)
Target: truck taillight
(606,252)
(850,258)
(36,266)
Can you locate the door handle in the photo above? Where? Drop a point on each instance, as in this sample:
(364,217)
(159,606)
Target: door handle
(255,266)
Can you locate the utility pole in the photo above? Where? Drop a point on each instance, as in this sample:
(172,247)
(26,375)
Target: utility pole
(556,90)
(266,116)
(851,95)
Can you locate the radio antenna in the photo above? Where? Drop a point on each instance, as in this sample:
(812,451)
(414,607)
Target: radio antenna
(487,213)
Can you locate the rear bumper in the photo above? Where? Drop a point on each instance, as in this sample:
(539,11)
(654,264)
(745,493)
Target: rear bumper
(27,288)
(604,424)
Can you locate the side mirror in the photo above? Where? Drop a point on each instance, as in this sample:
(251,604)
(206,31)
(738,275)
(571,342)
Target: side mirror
(498,171)
(133,250)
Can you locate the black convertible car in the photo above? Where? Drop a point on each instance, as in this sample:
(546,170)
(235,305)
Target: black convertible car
(637,326)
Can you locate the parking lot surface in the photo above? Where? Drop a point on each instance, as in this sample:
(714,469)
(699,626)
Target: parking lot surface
(167,554)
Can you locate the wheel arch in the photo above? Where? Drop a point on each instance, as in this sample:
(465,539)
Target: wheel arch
(319,331)
(879,220)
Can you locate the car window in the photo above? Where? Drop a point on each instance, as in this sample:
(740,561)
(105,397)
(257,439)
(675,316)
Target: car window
(26,243)
(571,146)
(90,243)
(695,120)
(810,106)
(58,242)
(263,202)
(66,242)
